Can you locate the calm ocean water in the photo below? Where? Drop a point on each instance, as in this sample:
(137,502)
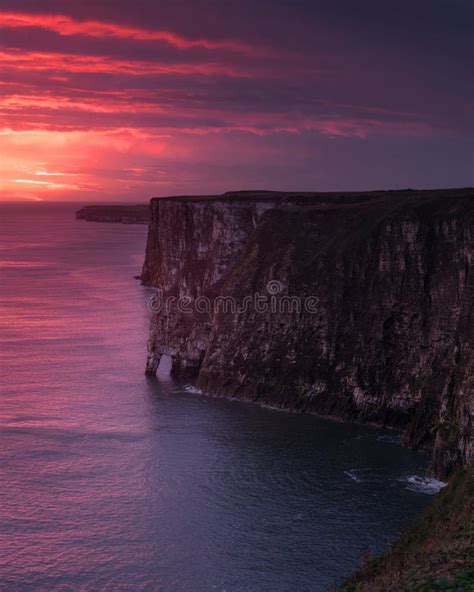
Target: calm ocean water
(112,482)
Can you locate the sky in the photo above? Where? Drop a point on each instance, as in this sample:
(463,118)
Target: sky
(124,100)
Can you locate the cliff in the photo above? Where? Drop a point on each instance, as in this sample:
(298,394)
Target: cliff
(436,554)
(125,214)
(356,306)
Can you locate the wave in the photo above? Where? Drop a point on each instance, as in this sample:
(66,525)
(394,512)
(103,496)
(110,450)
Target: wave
(189,388)
(358,475)
(415,483)
(423,484)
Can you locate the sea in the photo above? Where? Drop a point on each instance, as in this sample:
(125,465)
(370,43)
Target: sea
(111,481)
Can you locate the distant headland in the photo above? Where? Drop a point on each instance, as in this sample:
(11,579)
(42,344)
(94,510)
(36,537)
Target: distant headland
(124,214)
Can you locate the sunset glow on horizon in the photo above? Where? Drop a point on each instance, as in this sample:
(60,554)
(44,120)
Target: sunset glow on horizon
(142,99)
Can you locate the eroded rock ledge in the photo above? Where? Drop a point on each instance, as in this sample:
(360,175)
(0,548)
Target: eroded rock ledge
(391,338)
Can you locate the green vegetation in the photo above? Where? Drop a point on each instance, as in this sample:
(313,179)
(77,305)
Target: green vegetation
(436,555)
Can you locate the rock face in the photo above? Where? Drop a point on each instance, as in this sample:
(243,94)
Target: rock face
(126,214)
(355,306)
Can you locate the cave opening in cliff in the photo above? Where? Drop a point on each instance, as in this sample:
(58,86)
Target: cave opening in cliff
(164,367)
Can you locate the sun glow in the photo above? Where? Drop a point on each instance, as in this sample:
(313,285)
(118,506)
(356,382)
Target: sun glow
(111,104)
(48,164)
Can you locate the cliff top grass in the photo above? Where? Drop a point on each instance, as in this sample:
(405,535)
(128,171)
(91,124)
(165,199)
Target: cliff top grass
(436,555)
(314,198)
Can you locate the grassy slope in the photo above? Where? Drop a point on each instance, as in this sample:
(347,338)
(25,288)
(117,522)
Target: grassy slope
(436,554)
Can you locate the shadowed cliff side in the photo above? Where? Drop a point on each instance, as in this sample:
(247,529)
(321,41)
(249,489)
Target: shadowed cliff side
(390,339)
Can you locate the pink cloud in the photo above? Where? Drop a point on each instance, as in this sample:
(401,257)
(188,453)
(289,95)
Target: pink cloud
(73,63)
(67,26)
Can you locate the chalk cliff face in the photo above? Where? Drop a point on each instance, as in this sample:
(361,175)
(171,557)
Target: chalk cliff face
(363,308)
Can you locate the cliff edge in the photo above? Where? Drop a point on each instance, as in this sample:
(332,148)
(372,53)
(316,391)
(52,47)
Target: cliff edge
(357,306)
